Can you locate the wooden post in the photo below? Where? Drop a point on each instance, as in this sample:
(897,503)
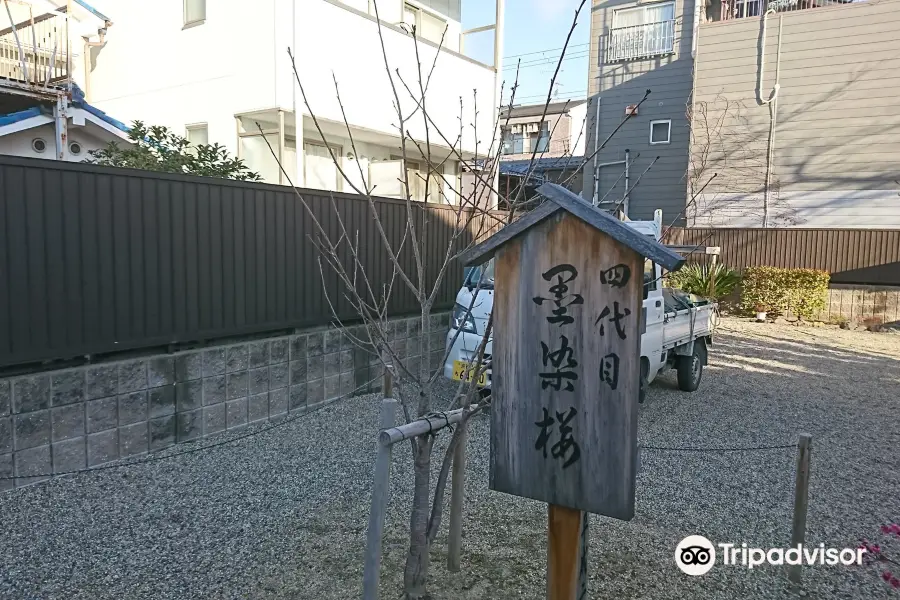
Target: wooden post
(381,492)
(712,276)
(388,385)
(801,501)
(566,553)
(457,495)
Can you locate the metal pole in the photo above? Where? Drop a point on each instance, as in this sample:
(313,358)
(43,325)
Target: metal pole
(801,501)
(596,194)
(627,183)
(381,492)
(498,83)
(457,496)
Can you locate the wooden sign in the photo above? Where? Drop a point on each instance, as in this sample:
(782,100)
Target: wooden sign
(566,368)
(566,354)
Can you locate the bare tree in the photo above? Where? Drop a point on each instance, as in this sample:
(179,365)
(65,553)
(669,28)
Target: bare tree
(471,220)
(723,141)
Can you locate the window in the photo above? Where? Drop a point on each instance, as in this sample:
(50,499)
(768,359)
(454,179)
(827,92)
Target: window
(194,11)
(650,281)
(746,8)
(660,131)
(513,143)
(428,26)
(540,140)
(415,174)
(642,32)
(197,135)
(319,168)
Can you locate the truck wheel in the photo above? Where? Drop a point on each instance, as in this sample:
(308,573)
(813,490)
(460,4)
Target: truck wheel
(642,389)
(690,368)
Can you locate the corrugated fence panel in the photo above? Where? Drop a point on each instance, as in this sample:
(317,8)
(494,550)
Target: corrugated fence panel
(96,260)
(852,256)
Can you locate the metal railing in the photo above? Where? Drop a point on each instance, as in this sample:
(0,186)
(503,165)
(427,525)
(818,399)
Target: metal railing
(742,9)
(35,50)
(641,41)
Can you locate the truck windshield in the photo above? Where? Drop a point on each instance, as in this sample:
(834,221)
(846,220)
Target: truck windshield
(483,272)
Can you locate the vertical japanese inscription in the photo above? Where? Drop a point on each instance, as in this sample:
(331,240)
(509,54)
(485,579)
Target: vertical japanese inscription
(559,362)
(617,277)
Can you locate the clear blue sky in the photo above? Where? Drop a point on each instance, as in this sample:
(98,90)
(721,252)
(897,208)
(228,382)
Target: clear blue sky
(535,33)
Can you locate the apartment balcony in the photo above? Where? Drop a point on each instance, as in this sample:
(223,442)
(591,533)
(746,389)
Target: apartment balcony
(724,10)
(641,41)
(34,51)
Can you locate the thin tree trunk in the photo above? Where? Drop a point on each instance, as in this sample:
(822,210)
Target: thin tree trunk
(416,572)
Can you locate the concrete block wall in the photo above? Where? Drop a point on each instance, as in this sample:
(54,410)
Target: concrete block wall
(857,303)
(65,420)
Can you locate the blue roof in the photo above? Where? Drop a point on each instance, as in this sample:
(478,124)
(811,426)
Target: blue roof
(21,115)
(519,168)
(92,10)
(77,102)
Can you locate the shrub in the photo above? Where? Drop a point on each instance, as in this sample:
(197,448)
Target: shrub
(802,292)
(695,279)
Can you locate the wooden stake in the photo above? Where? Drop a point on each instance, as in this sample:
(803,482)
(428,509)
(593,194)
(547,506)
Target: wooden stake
(388,385)
(566,544)
(381,493)
(801,501)
(457,495)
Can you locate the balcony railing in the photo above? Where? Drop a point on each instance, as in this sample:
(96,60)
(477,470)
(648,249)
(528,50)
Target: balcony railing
(724,10)
(641,41)
(35,51)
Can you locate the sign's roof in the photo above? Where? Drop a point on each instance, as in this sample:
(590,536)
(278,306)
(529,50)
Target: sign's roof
(559,198)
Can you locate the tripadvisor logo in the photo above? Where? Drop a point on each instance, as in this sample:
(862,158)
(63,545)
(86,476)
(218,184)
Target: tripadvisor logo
(696,555)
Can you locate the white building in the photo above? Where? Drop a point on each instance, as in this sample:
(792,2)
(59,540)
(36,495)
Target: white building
(43,45)
(215,69)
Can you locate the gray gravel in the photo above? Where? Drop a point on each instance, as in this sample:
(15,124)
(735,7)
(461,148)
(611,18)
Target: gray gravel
(283,514)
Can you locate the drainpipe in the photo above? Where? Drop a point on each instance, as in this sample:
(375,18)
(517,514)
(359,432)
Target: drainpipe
(627,200)
(61,125)
(87,59)
(596,194)
(498,80)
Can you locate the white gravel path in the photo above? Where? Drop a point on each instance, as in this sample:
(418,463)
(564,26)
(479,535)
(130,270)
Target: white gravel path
(283,514)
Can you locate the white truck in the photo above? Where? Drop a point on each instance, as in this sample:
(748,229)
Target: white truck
(678,327)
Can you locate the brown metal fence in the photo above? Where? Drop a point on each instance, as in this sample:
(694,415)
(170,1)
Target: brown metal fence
(96,260)
(852,256)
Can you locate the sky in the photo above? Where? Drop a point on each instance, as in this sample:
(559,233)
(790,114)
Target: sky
(535,31)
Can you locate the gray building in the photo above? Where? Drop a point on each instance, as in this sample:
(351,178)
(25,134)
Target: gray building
(636,47)
(794,111)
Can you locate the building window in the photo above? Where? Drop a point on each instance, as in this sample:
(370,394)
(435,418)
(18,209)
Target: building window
(194,12)
(642,32)
(513,142)
(747,8)
(428,26)
(660,131)
(540,140)
(198,134)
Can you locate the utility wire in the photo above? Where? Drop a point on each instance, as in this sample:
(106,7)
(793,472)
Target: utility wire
(543,62)
(542,51)
(150,459)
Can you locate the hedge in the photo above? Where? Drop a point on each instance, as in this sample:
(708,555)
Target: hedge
(801,292)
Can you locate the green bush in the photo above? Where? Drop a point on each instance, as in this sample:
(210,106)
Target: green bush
(802,292)
(695,279)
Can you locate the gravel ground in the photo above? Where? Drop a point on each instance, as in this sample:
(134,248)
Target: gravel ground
(283,514)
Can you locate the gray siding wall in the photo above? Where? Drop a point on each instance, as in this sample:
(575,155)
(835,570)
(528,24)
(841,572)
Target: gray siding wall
(616,85)
(836,149)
